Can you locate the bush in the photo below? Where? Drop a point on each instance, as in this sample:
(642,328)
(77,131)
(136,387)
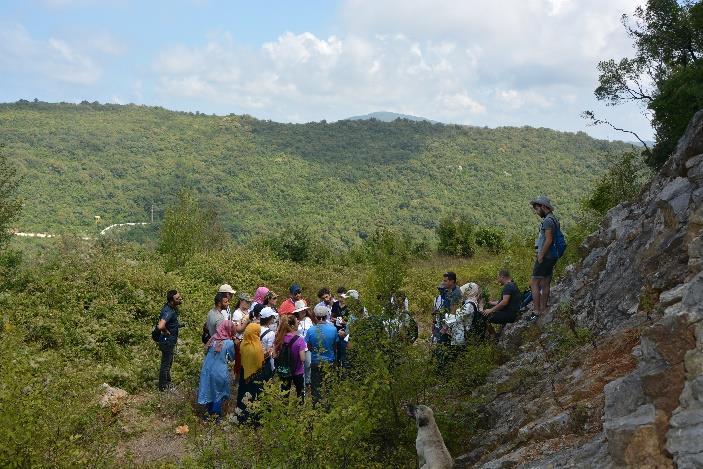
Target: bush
(492,239)
(189,228)
(456,236)
(621,183)
(298,245)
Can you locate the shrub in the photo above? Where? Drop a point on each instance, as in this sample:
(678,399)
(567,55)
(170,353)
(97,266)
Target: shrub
(456,236)
(298,245)
(189,228)
(492,239)
(621,183)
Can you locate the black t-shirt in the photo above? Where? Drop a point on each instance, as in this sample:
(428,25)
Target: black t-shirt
(515,297)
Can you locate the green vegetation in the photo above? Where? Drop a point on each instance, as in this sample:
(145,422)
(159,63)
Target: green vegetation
(665,76)
(621,183)
(340,181)
(10,203)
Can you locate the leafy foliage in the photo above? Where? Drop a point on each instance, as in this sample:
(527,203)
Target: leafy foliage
(621,183)
(189,228)
(492,239)
(339,180)
(457,236)
(664,76)
(10,204)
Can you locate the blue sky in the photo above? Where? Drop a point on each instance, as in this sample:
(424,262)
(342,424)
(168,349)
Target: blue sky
(481,62)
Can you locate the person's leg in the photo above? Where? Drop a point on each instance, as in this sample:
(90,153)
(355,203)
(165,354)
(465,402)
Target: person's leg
(170,364)
(286,385)
(316,382)
(544,297)
(241,390)
(216,408)
(165,368)
(308,358)
(536,294)
(299,382)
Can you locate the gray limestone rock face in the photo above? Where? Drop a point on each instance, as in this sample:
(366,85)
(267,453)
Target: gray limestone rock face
(641,270)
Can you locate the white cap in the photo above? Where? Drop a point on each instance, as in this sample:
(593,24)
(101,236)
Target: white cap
(321,311)
(267,312)
(300,305)
(226,288)
(350,294)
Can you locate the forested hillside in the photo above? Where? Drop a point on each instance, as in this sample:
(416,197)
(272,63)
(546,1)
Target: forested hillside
(340,179)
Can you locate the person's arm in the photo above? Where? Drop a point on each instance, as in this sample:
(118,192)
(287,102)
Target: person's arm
(501,304)
(162,323)
(162,327)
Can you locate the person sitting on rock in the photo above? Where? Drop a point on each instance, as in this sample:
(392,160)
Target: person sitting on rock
(507,309)
(461,322)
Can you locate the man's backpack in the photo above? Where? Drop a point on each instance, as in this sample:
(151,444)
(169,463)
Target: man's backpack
(156,334)
(284,360)
(559,244)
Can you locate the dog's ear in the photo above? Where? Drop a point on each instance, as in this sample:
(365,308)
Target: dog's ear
(410,409)
(422,420)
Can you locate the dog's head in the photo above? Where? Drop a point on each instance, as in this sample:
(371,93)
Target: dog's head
(422,414)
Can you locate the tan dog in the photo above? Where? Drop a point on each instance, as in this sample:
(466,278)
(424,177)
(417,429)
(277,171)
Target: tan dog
(431,451)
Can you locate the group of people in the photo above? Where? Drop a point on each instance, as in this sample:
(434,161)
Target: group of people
(461,310)
(254,339)
(251,340)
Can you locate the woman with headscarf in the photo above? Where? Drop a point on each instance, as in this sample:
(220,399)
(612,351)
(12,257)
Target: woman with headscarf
(258,304)
(214,374)
(461,323)
(252,355)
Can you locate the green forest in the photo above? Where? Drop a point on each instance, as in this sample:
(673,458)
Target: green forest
(340,180)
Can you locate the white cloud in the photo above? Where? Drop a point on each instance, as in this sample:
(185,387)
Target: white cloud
(514,62)
(461,103)
(54,58)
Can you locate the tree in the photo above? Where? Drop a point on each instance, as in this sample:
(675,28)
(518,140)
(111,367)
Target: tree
(664,76)
(456,235)
(10,203)
(189,228)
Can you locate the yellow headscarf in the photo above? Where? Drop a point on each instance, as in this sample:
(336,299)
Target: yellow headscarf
(251,350)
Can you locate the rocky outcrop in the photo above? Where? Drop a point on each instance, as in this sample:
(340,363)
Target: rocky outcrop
(627,390)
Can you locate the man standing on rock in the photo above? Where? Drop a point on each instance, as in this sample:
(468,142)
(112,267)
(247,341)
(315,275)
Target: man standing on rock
(168,326)
(546,256)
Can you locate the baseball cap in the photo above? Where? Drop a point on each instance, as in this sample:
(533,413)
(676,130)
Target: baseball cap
(267,312)
(300,305)
(226,288)
(295,288)
(542,200)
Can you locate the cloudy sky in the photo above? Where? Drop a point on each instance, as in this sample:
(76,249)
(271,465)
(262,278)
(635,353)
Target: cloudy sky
(478,62)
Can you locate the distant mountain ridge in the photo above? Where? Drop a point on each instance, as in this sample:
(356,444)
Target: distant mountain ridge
(387,116)
(340,180)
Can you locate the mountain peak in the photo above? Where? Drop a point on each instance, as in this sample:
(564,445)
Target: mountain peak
(387,116)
